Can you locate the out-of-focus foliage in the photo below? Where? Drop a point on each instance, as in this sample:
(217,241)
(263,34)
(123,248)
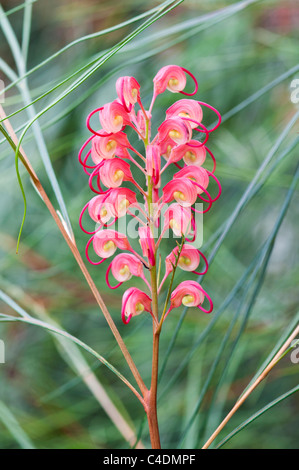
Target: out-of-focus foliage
(236,51)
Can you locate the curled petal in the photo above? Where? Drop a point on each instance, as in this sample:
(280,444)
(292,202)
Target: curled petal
(120,200)
(192,155)
(134,302)
(190,294)
(187,109)
(123,267)
(215,111)
(177,129)
(114,172)
(114,117)
(165,147)
(105,243)
(182,190)
(127,89)
(170,77)
(194,173)
(178,218)
(126,265)
(188,261)
(99,209)
(107,146)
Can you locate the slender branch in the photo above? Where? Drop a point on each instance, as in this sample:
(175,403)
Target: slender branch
(261,377)
(13,141)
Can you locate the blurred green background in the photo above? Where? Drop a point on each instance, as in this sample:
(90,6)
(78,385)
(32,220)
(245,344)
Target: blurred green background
(245,56)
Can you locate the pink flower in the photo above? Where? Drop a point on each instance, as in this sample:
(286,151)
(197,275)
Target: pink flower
(127,89)
(170,77)
(99,210)
(176,129)
(188,261)
(178,218)
(147,243)
(189,109)
(114,117)
(123,267)
(190,294)
(106,242)
(126,265)
(166,146)
(134,302)
(191,155)
(153,164)
(114,172)
(120,200)
(107,146)
(196,174)
(182,190)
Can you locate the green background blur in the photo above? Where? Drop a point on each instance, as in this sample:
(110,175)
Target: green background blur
(234,50)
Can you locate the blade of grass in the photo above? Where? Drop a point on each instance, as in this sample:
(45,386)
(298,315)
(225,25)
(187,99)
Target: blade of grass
(72,356)
(274,360)
(256,415)
(68,336)
(85,38)
(266,371)
(20,60)
(11,423)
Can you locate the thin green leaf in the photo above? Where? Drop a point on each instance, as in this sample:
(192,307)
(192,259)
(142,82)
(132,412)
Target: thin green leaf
(11,423)
(256,415)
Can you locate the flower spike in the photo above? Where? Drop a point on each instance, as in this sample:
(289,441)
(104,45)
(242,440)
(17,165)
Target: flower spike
(107,157)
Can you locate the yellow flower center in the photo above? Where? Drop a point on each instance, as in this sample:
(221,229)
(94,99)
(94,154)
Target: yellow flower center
(103,212)
(134,93)
(109,245)
(173,224)
(187,300)
(139,307)
(124,270)
(179,195)
(173,82)
(184,260)
(124,204)
(111,145)
(184,114)
(118,175)
(174,134)
(118,120)
(190,155)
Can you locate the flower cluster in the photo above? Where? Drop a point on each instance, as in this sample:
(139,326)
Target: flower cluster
(108,157)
